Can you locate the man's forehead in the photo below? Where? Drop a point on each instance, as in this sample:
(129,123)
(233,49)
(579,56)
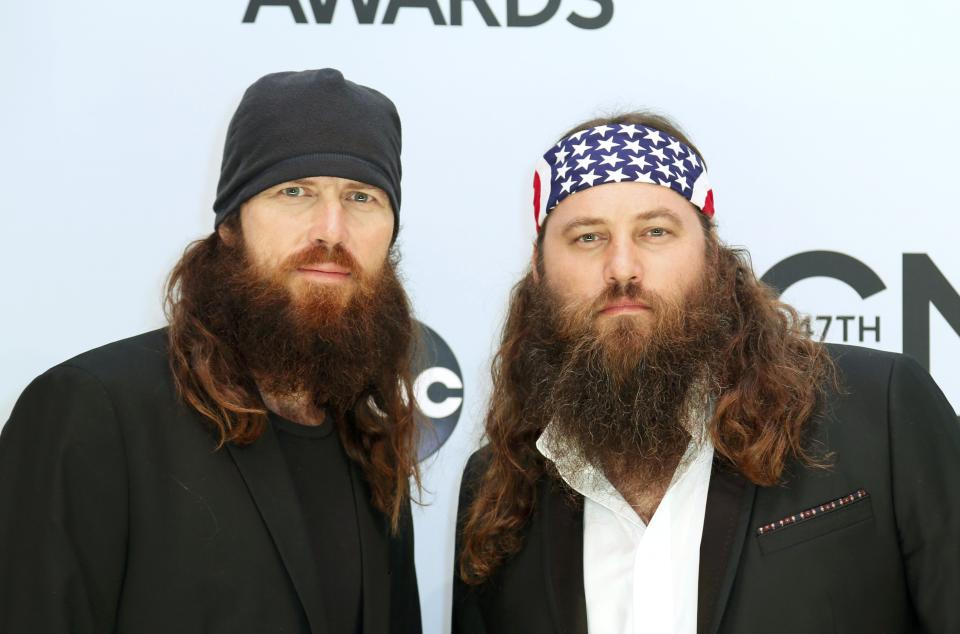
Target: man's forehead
(634,195)
(613,204)
(331,180)
(660,214)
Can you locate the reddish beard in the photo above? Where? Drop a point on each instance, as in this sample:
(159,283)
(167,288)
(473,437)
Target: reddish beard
(334,342)
(620,390)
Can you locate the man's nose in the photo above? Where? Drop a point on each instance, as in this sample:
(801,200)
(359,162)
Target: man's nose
(622,265)
(328,222)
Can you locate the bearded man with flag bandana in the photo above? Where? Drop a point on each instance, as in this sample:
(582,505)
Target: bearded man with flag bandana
(670,452)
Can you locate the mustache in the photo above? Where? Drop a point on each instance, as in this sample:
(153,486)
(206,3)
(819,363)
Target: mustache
(574,315)
(322,254)
(623,290)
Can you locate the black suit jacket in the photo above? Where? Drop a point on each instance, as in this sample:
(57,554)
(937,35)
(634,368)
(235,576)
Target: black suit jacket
(118,514)
(889,561)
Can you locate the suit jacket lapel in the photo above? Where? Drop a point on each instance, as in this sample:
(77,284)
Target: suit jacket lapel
(563,558)
(725,526)
(374,557)
(267,476)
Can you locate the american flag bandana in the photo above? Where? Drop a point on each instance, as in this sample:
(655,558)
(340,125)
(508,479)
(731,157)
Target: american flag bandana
(614,154)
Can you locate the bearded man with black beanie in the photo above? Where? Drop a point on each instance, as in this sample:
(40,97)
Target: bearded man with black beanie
(669,451)
(247,468)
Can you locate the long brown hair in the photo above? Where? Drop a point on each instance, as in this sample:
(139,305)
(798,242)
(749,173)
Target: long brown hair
(377,430)
(771,377)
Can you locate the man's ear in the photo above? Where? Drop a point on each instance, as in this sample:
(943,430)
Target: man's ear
(227,232)
(226,235)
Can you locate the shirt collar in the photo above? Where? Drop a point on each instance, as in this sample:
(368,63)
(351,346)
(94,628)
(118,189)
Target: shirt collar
(591,483)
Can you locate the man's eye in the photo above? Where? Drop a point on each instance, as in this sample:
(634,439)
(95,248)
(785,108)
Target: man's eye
(657,232)
(293,192)
(588,237)
(360,197)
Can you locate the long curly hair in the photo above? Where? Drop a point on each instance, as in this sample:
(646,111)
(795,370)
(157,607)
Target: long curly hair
(772,377)
(377,429)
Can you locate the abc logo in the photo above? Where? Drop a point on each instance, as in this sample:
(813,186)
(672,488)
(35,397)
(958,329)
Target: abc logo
(437,389)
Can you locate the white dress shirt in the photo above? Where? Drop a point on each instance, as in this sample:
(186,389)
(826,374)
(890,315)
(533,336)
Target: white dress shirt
(639,578)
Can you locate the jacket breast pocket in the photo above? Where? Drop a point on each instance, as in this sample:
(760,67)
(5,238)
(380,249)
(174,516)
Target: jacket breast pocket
(815,522)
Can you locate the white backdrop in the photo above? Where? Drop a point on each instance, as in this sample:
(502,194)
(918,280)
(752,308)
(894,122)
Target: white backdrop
(827,126)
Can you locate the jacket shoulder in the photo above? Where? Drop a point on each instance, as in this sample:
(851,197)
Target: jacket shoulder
(882,395)
(867,371)
(473,473)
(879,371)
(857,360)
(477,464)
(120,361)
(81,391)
(145,347)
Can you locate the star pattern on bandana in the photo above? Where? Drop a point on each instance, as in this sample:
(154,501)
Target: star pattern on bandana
(580,148)
(607,145)
(612,160)
(659,153)
(585,163)
(589,178)
(624,153)
(616,176)
(654,137)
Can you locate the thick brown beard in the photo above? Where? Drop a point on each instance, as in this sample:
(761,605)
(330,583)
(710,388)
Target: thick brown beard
(620,394)
(316,340)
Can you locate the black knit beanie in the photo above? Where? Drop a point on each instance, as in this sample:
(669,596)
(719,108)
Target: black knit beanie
(309,123)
